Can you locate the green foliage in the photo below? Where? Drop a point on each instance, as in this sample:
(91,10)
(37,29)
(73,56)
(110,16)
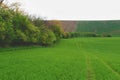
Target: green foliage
(37,21)
(67,35)
(20,36)
(79,34)
(106,35)
(84,34)
(6,27)
(57,30)
(24,29)
(55,26)
(16,28)
(47,37)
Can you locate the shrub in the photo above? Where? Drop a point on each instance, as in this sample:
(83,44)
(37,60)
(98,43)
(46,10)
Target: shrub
(25,31)
(6,27)
(47,37)
(66,35)
(79,34)
(55,26)
(106,35)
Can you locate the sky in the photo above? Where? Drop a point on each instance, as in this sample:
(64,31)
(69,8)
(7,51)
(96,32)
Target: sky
(72,9)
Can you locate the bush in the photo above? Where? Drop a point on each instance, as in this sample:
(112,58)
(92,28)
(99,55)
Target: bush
(79,34)
(106,35)
(25,31)
(47,37)
(67,35)
(55,26)
(6,27)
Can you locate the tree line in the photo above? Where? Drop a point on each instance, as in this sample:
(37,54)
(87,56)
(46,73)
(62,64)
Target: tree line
(18,28)
(68,35)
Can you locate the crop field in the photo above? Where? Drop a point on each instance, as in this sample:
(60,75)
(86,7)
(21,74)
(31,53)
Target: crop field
(108,27)
(71,59)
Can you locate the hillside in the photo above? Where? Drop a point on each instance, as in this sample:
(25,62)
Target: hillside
(110,27)
(69,26)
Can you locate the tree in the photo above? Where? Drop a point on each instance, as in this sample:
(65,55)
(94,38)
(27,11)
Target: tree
(25,31)
(16,28)
(6,27)
(37,21)
(55,26)
(6,33)
(47,37)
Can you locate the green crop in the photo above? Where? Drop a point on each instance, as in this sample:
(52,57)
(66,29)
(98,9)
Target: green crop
(71,59)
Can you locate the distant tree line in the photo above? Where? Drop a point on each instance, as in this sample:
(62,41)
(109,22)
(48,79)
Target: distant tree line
(84,34)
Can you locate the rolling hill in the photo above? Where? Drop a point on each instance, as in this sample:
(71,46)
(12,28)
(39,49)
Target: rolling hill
(69,26)
(109,27)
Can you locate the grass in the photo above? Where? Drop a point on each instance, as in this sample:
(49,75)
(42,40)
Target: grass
(71,59)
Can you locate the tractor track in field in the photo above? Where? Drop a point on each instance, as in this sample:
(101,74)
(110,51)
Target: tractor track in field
(90,73)
(107,65)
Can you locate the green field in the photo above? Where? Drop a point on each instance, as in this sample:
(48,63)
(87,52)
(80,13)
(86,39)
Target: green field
(71,59)
(109,27)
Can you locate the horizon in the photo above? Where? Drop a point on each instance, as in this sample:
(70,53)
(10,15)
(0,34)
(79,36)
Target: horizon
(82,20)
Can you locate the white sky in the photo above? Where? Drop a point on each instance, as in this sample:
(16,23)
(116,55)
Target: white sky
(73,9)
